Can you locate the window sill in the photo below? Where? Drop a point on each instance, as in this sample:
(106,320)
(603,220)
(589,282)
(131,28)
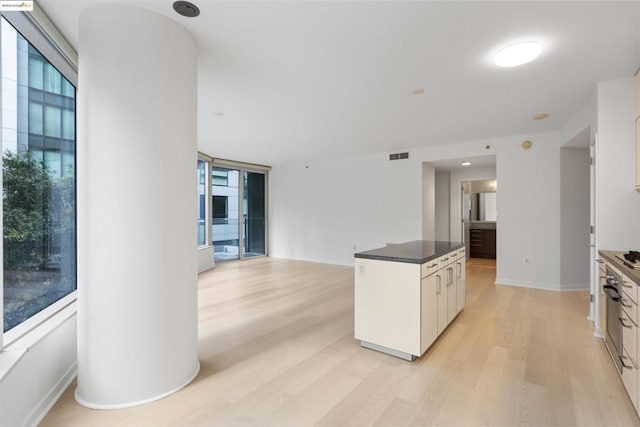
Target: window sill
(13,353)
(9,359)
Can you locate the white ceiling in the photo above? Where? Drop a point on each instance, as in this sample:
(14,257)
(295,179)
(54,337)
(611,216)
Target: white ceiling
(300,80)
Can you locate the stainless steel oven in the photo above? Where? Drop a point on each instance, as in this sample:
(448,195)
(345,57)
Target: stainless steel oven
(613,290)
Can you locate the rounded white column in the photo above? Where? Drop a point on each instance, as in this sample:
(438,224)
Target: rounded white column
(137,152)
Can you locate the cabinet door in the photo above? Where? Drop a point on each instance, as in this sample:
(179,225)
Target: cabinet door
(429,312)
(630,346)
(441,291)
(451,293)
(461,284)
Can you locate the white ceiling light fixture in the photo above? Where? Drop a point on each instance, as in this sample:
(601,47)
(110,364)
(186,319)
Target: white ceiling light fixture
(466,163)
(517,54)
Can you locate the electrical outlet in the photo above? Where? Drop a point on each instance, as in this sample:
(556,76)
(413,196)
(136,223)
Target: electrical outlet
(362,269)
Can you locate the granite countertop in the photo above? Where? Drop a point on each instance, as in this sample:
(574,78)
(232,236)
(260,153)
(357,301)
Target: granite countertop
(610,256)
(416,252)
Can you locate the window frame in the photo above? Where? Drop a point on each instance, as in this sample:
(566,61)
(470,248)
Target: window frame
(242,167)
(42,34)
(207,200)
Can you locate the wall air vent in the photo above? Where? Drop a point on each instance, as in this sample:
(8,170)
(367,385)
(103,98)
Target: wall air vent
(398,156)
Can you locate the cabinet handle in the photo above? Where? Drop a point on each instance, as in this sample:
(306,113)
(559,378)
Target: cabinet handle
(626,286)
(599,261)
(459,265)
(450,271)
(439,284)
(433,265)
(624,365)
(622,320)
(625,305)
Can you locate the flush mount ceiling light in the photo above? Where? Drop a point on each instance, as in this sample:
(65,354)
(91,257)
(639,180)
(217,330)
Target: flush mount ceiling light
(187,9)
(417,91)
(540,116)
(517,54)
(466,163)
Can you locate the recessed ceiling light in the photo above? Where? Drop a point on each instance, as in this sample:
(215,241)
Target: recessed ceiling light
(417,91)
(517,54)
(187,9)
(466,163)
(218,114)
(540,116)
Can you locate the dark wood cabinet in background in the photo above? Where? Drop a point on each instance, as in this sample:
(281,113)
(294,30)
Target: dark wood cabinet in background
(482,243)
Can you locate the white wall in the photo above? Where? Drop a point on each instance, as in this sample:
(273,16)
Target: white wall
(428,202)
(320,211)
(442,205)
(574,218)
(529,197)
(618,203)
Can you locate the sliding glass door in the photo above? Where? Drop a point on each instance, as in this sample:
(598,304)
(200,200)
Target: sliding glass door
(238,213)
(254,214)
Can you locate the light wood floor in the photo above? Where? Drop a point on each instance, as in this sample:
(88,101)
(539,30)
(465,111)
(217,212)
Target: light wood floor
(276,348)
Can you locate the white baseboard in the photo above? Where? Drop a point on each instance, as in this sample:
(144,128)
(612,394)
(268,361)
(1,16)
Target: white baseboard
(526,284)
(575,287)
(543,286)
(318,260)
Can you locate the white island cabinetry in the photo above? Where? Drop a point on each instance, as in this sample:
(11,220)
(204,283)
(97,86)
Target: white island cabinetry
(407,294)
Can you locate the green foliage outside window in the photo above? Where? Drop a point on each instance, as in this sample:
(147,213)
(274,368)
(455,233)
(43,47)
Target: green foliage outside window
(26,187)
(38,236)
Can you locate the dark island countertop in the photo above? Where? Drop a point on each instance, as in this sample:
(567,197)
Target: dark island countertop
(416,252)
(631,273)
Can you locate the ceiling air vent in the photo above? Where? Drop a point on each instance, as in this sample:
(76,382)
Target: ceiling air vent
(398,156)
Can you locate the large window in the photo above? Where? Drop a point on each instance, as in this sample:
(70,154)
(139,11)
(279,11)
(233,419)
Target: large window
(38,181)
(202,202)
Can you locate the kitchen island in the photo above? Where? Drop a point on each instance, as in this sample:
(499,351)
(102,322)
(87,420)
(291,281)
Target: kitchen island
(406,294)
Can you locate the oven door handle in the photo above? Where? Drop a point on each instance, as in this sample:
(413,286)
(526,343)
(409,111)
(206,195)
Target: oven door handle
(612,292)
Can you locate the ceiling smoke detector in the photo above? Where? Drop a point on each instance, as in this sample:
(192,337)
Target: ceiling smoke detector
(187,9)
